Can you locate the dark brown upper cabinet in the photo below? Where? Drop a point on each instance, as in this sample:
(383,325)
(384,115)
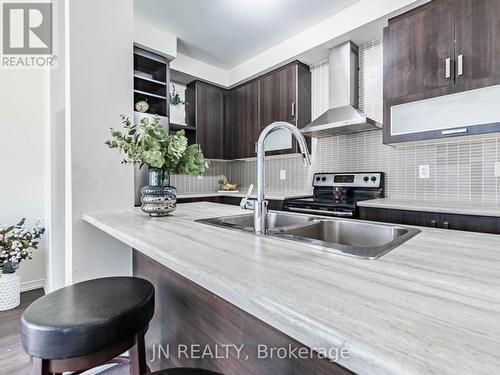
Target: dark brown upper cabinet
(278,96)
(278,102)
(285,95)
(228,122)
(242,121)
(417,45)
(478,43)
(441,48)
(205,112)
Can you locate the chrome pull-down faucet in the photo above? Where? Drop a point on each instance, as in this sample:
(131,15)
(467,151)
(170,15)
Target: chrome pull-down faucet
(260,204)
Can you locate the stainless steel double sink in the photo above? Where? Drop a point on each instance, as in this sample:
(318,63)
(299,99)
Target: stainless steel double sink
(348,237)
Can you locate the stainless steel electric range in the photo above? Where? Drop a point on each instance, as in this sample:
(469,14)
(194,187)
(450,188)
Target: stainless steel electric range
(337,194)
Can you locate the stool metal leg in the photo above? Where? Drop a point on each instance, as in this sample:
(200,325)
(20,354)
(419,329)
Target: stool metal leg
(138,356)
(39,366)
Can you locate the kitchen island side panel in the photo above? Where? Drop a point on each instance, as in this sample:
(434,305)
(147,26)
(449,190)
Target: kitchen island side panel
(188,316)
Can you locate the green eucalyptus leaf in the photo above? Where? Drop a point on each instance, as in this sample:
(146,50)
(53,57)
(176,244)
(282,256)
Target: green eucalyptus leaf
(149,143)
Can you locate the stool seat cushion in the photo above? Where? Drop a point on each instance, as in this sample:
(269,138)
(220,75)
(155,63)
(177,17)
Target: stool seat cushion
(87,317)
(184,371)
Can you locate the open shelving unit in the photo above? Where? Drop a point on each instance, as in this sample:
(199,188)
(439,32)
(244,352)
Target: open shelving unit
(189,130)
(151,81)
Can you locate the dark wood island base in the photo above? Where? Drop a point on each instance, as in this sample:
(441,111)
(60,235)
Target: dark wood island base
(193,327)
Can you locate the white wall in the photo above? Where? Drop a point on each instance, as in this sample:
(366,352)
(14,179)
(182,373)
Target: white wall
(155,40)
(199,69)
(55,162)
(99,66)
(22,116)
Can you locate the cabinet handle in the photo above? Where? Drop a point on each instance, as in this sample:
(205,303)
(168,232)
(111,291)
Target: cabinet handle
(454,131)
(460,65)
(433,223)
(448,68)
(293,108)
(446,225)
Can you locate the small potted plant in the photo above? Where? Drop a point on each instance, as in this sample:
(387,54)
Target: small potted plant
(177,107)
(175,98)
(150,144)
(16,245)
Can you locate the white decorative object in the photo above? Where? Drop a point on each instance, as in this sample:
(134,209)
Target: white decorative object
(10,291)
(178,112)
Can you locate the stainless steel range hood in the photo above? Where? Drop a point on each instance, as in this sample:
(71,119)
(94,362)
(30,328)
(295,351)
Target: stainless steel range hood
(343,117)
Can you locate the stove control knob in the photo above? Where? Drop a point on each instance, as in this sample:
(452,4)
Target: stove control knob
(317,178)
(365,178)
(323,178)
(374,178)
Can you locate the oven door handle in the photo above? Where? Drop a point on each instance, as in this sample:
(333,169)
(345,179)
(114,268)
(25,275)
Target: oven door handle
(336,213)
(342,213)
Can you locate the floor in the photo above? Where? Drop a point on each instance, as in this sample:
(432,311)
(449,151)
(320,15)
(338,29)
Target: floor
(13,360)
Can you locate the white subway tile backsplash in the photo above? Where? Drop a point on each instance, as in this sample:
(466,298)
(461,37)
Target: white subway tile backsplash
(460,169)
(207,184)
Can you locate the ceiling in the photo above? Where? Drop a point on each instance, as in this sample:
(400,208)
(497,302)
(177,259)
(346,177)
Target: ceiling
(225,33)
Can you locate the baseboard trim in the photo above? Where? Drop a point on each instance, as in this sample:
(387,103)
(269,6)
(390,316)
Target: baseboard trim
(26,286)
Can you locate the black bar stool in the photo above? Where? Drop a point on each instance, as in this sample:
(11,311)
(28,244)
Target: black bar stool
(89,324)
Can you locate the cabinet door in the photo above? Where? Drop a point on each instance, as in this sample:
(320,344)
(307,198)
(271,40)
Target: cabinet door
(278,102)
(416,46)
(229,137)
(484,224)
(478,43)
(424,219)
(278,96)
(210,120)
(244,120)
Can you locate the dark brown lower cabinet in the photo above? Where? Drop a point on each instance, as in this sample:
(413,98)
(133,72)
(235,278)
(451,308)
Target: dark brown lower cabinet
(485,224)
(273,204)
(235,201)
(423,219)
(189,319)
(470,223)
(201,199)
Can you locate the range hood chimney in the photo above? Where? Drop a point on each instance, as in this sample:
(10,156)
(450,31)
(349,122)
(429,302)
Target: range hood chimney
(343,117)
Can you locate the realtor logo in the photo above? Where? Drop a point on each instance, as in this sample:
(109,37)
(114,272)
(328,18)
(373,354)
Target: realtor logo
(27,28)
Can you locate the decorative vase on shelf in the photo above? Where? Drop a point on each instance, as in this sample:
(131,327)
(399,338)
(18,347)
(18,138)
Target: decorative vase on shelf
(158,198)
(10,287)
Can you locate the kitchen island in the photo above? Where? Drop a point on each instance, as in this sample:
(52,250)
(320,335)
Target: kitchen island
(431,305)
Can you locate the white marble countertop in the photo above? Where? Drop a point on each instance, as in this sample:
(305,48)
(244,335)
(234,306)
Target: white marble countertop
(431,305)
(273,195)
(450,207)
